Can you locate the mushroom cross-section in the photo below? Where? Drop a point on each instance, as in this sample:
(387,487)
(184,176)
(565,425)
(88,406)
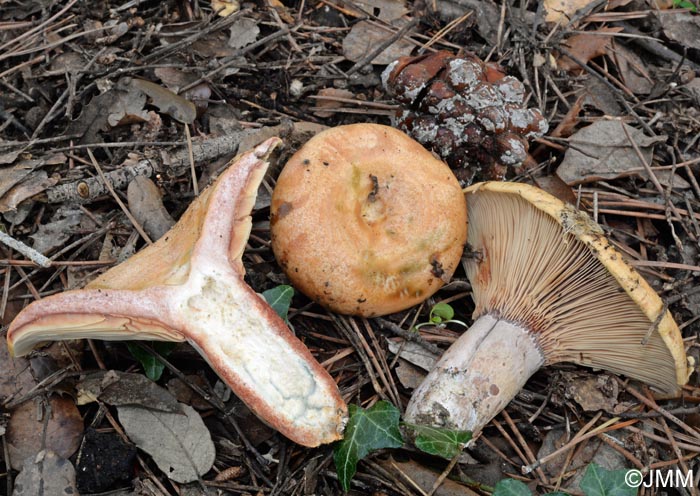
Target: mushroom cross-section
(366,221)
(189,286)
(548,287)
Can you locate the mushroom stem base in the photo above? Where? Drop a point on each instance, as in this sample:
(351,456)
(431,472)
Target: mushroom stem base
(476,377)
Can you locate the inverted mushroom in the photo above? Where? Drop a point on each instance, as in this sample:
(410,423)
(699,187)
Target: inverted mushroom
(189,286)
(548,287)
(366,221)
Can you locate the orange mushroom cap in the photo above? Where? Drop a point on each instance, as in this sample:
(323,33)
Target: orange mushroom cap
(366,221)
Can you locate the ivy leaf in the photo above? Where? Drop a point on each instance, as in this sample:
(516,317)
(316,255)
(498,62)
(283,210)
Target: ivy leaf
(598,481)
(152,367)
(279,298)
(685,4)
(367,431)
(446,443)
(441,312)
(511,487)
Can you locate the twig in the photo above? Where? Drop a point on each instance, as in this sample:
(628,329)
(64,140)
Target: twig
(652,404)
(27,251)
(190,156)
(408,335)
(119,200)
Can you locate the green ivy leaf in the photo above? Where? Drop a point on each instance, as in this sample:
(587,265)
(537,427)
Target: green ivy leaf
(446,443)
(598,481)
(152,367)
(441,312)
(367,431)
(279,298)
(685,4)
(511,487)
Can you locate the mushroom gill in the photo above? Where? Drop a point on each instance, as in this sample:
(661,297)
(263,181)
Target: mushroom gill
(548,287)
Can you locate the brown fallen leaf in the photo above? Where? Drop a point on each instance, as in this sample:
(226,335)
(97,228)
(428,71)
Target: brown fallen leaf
(225,8)
(33,185)
(632,69)
(365,37)
(411,473)
(16,377)
(586,46)
(45,473)
(146,205)
(22,168)
(167,102)
(25,431)
(386,10)
(329,103)
(121,388)
(562,10)
(602,151)
(592,392)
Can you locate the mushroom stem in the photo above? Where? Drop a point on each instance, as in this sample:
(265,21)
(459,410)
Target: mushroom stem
(477,376)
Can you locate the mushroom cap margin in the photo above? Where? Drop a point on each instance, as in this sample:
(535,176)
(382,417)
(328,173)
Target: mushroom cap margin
(580,225)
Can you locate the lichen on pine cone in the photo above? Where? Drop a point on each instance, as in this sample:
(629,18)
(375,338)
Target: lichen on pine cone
(467,111)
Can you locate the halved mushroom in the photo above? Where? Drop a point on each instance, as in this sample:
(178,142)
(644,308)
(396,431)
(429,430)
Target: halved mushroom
(189,286)
(366,221)
(548,287)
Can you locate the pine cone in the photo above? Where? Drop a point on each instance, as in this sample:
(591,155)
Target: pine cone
(467,111)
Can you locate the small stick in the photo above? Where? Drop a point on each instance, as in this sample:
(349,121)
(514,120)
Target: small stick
(118,200)
(190,155)
(655,325)
(652,404)
(25,250)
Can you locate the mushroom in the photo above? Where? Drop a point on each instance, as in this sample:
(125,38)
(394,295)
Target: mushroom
(548,287)
(189,286)
(366,221)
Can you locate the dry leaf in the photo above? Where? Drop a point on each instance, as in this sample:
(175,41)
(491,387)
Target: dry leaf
(364,37)
(592,392)
(121,388)
(409,375)
(330,104)
(243,32)
(180,444)
(58,230)
(25,429)
(146,205)
(681,27)
(386,10)
(562,10)
(632,69)
(33,185)
(167,102)
(584,47)
(45,473)
(119,105)
(602,151)
(556,187)
(424,478)
(413,353)
(225,8)
(11,176)
(16,377)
